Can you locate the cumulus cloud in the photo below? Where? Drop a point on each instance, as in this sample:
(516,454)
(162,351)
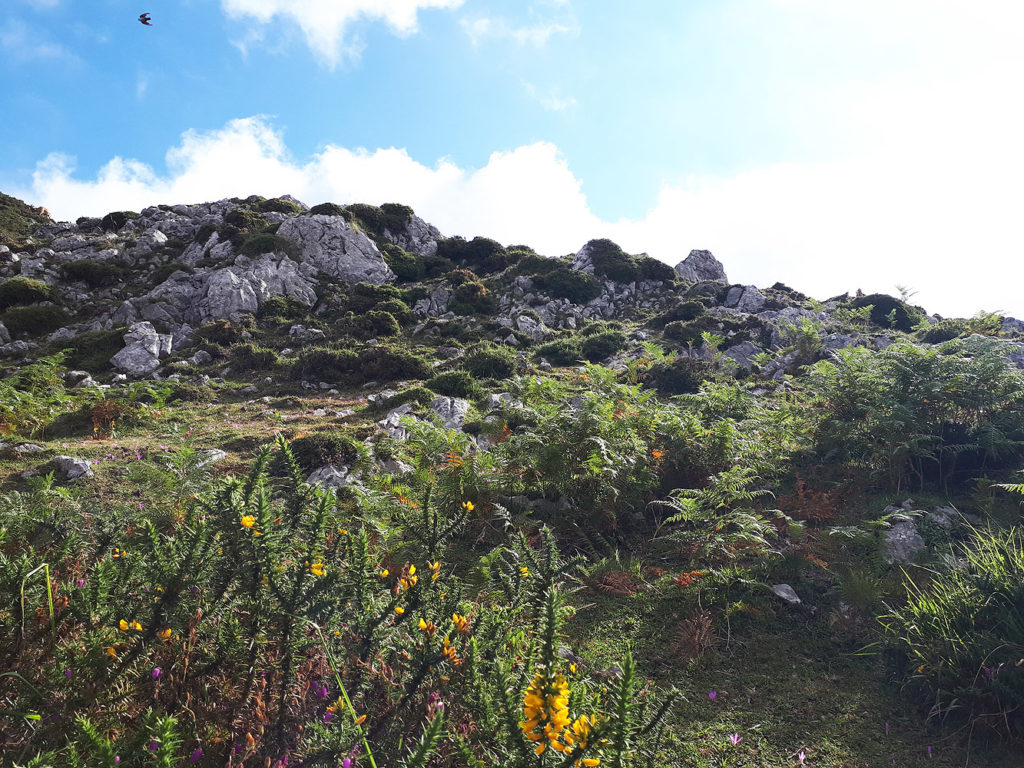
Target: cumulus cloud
(949,231)
(326,23)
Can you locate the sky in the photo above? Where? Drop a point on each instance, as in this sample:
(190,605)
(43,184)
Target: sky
(825,144)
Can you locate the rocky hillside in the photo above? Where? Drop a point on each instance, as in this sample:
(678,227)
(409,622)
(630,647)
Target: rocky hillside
(141,294)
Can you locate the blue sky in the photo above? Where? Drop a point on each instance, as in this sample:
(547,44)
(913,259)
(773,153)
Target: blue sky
(825,144)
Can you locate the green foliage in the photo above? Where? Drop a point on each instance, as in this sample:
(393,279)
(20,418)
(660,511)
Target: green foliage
(381,363)
(473,298)
(252,357)
(164,271)
(683,332)
(319,448)
(563,351)
(224,332)
(277,205)
(263,242)
(91,350)
(603,345)
(372,324)
(680,376)
(408,267)
(282,309)
(34,320)
(944,330)
(115,220)
(612,263)
(561,282)
(24,290)
(985,323)
(29,399)
(245,219)
(92,273)
(327,209)
(458,383)
(18,219)
(490,362)
(684,311)
(914,414)
(889,312)
(481,254)
(653,269)
(390,217)
(962,634)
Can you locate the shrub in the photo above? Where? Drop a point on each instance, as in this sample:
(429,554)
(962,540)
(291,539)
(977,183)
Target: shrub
(204,232)
(251,357)
(490,363)
(565,351)
(24,290)
(458,277)
(457,383)
(889,312)
(684,311)
(683,333)
(41,318)
(282,309)
(944,330)
(961,635)
(435,266)
(396,308)
(473,298)
(18,219)
(385,363)
(372,324)
(611,262)
(115,220)
(245,219)
(363,297)
(480,254)
(277,205)
(92,273)
(224,332)
(327,209)
(91,351)
(564,283)
(683,375)
(653,269)
(420,395)
(532,264)
(390,217)
(603,345)
(319,448)
(407,266)
(264,242)
(322,363)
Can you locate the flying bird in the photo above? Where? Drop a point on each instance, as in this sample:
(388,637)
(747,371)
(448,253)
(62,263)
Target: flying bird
(145,19)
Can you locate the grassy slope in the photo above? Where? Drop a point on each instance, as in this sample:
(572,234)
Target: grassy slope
(785,679)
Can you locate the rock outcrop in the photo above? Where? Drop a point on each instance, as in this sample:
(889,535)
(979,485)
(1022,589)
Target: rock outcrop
(701,266)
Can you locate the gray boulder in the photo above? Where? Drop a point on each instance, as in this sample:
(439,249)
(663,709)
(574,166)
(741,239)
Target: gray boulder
(451,410)
(743,353)
(70,468)
(5,335)
(418,237)
(787,593)
(331,476)
(333,247)
(143,350)
(745,298)
(701,266)
(903,542)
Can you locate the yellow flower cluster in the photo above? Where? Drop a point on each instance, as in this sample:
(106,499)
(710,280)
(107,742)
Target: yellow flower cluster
(409,578)
(318,569)
(125,626)
(461,623)
(546,718)
(435,569)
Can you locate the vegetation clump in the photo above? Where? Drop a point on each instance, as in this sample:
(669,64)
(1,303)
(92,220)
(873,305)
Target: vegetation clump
(24,290)
(34,319)
(490,362)
(93,273)
(457,383)
(889,312)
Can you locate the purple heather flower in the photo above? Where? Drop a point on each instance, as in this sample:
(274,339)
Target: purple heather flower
(712,695)
(80,583)
(887,728)
(801,755)
(321,691)
(68,673)
(328,716)
(929,751)
(117,758)
(346,763)
(197,755)
(735,738)
(156,673)
(153,745)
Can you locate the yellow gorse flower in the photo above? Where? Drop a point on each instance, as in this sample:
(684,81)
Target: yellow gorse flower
(318,569)
(546,719)
(409,578)
(428,627)
(248,521)
(124,625)
(461,623)
(435,569)
(468,506)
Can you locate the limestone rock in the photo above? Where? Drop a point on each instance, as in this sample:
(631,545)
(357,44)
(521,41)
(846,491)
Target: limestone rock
(787,593)
(743,353)
(5,335)
(745,298)
(701,266)
(143,350)
(333,247)
(70,468)
(418,237)
(211,456)
(331,476)
(451,410)
(903,542)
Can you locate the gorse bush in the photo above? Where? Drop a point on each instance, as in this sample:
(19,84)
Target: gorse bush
(92,273)
(34,319)
(267,621)
(961,635)
(455,384)
(489,362)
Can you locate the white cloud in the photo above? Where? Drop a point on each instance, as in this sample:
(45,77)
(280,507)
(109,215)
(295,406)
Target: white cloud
(550,98)
(20,42)
(949,230)
(482,29)
(326,23)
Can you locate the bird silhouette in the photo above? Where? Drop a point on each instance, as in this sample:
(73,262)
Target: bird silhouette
(145,19)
